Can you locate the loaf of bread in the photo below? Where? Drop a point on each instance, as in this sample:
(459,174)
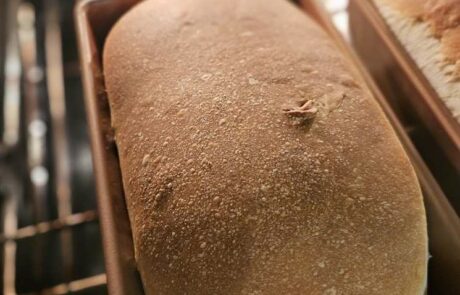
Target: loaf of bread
(430,32)
(253,160)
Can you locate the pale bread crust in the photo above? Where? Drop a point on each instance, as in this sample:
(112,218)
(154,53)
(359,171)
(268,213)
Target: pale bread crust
(229,195)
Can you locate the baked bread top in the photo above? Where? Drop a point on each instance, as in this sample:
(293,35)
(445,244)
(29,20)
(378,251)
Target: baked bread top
(253,161)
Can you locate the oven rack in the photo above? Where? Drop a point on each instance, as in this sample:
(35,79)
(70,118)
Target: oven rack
(49,229)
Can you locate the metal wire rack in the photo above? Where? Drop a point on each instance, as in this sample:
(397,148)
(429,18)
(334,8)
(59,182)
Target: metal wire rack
(49,233)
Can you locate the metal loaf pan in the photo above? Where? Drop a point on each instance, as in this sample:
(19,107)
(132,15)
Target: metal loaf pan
(94,18)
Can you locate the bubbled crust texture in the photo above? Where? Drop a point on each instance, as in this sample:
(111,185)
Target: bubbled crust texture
(229,195)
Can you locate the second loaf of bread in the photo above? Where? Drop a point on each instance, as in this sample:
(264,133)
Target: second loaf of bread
(430,32)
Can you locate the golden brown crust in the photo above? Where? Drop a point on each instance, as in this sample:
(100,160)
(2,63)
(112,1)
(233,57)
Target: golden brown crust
(411,8)
(234,183)
(451,50)
(443,15)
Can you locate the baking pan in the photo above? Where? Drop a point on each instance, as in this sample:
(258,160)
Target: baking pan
(94,18)
(435,131)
